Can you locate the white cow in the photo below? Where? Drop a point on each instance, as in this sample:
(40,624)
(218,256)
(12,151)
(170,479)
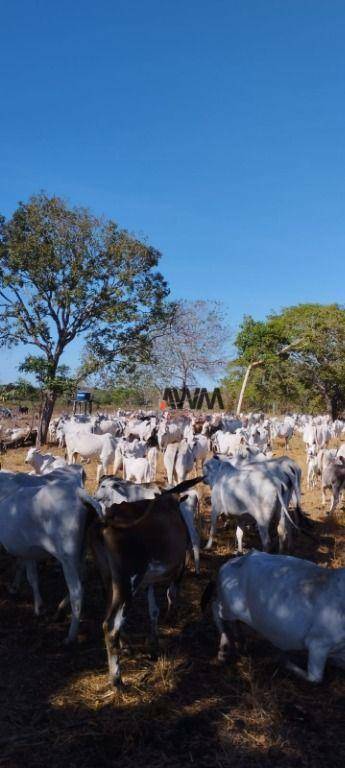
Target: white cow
(259,437)
(284,430)
(178,461)
(227,443)
(152,457)
(169,433)
(323,435)
(309,436)
(141,429)
(137,469)
(200,445)
(47,515)
(88,445)
(43,463)
(295,604)
(253,490)
(108,426)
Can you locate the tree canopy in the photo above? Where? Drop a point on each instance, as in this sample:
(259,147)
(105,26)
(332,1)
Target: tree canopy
(64,273)
(311,374)
(194,344)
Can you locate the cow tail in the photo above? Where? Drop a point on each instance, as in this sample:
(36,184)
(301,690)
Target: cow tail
(207,595)
(286,513)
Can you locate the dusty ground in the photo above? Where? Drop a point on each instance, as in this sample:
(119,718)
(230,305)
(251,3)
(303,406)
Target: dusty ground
(56,708)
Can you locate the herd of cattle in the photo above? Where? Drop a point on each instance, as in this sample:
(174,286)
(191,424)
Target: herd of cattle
(141,533)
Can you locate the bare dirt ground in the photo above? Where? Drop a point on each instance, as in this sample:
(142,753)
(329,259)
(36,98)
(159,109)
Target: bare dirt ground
(56,708)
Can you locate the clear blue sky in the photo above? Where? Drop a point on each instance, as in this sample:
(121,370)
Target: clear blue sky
(214,127)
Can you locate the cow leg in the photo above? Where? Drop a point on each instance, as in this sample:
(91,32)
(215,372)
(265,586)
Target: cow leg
(335,499)
(225,639)
(117,462)
(75,591)
(64,603)
(193,535)
(120,598)
(282,531)
(317,657)
(214,518)
(196,553)
(239,540)
(309,478)
(32,577)
(154,615)
(264,536)
(18,575)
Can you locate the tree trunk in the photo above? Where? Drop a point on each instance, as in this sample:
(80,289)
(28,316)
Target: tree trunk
(49,400)
(244,384)
(333,404)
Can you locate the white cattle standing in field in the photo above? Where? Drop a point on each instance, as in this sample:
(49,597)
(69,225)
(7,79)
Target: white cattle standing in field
(323,435)
(141,429)
(178,461)
(168,433)
(254,490)
(47,515)
(284,430)
(295,604)
(43,463)
(137,469)
(309,437)
(227,443)
(87,446)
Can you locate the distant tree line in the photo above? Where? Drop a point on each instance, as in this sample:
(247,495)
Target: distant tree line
(67,274)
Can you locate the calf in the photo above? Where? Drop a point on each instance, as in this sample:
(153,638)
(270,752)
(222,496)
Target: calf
(139,544)
(43,463)
(312,468)
(293,603)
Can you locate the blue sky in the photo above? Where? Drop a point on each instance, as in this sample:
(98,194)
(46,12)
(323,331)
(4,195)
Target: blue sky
(214,128)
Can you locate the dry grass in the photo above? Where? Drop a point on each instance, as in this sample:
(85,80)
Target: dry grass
(56,708)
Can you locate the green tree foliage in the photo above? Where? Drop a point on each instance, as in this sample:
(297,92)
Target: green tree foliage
(65,273)
(310,375)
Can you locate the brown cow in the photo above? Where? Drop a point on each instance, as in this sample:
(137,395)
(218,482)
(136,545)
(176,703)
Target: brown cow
(139,544)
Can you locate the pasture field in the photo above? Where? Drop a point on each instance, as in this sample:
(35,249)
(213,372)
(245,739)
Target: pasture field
(57,710)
